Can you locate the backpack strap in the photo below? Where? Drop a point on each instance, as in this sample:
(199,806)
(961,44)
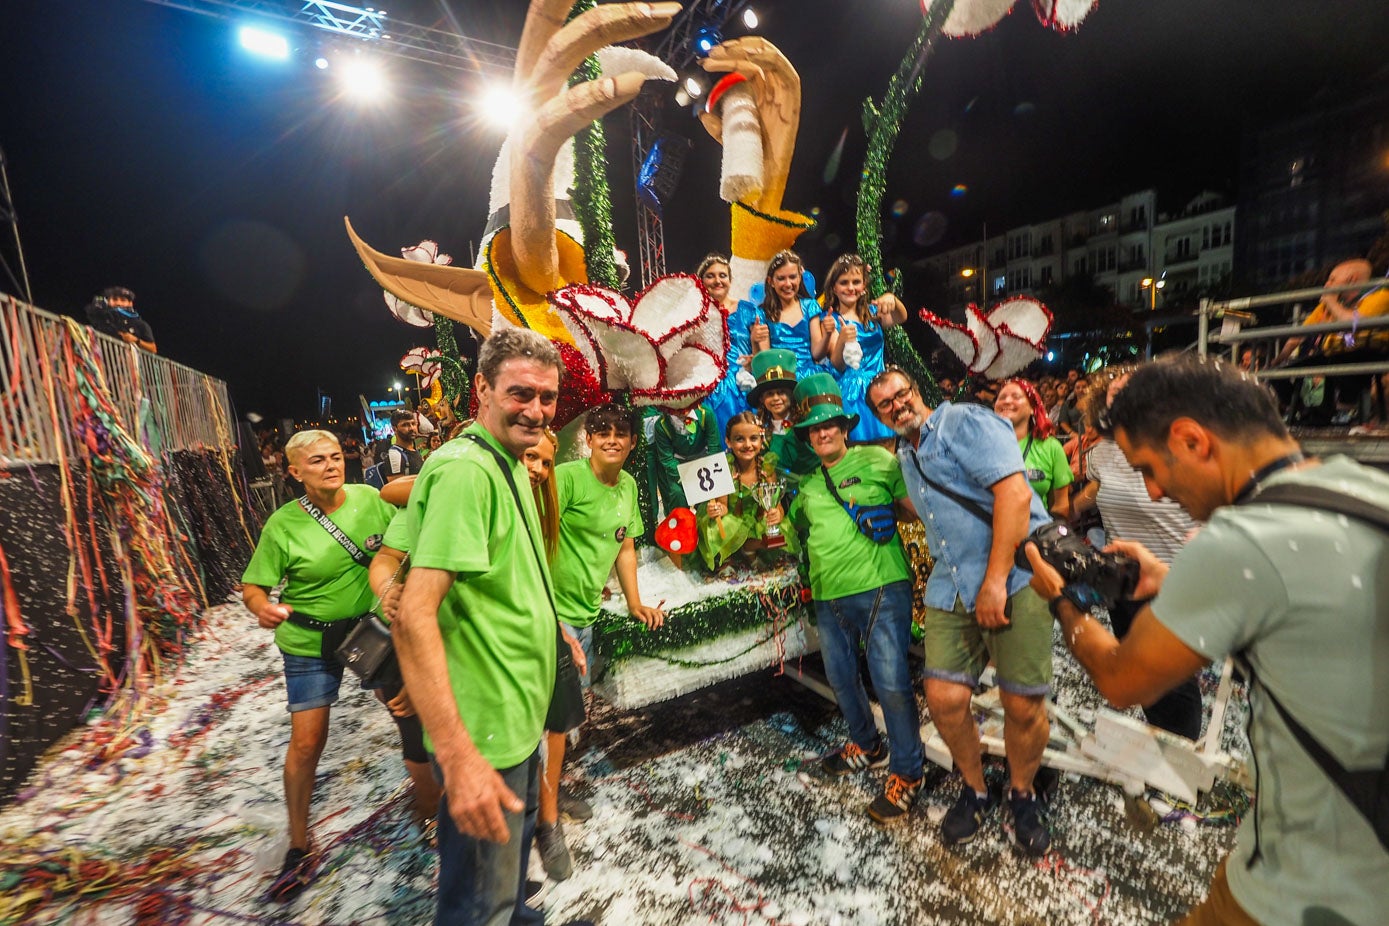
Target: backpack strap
(1309,496)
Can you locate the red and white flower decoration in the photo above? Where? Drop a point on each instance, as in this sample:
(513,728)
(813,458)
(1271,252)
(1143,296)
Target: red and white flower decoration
(999,344)
(425,363)
(426,252)
(668,347)
(969,18)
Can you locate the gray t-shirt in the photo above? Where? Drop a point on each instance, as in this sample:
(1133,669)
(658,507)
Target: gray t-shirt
(1299,589)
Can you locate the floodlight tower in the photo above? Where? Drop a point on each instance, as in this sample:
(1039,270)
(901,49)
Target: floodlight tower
(386,35)
(692,33)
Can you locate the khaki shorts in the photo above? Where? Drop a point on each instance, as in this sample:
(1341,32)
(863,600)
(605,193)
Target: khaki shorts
(958,649)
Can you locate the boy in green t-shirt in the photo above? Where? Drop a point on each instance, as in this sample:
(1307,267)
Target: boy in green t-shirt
(862,591)
(599,521)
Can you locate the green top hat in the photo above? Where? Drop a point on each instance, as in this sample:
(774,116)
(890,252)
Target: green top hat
(818,399)
(771,369)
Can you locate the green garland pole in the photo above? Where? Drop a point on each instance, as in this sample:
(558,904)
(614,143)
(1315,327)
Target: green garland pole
(592,199)
(453,378)
(883,124)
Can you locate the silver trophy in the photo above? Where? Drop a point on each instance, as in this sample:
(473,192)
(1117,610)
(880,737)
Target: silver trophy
(767,495)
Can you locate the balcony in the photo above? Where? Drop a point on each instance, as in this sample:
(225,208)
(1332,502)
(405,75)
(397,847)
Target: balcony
(1174,260)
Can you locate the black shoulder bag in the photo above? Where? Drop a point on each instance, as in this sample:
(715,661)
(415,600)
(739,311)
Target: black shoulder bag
(334,633)
(1368,789)
(567,703)
(876,522)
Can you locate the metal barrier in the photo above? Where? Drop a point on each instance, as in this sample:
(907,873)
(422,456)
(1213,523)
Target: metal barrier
(176,407)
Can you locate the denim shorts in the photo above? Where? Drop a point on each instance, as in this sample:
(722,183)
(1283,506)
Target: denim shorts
(311,681)
(585,637)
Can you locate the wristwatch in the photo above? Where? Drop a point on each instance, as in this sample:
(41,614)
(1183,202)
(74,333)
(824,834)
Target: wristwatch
(1085,599)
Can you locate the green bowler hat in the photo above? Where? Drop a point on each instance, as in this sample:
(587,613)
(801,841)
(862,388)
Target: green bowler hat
(817,399)
(772,369)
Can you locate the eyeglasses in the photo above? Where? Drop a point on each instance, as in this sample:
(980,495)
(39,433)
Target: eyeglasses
(886,405)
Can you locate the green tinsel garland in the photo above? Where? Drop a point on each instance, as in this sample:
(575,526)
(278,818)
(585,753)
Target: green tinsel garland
(591,197)
(454,379)
(883,124)
(620,637)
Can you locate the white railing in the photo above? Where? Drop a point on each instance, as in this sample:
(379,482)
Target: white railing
(53,370)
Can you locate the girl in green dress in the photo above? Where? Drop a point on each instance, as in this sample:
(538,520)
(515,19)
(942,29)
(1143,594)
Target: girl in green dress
(736,522)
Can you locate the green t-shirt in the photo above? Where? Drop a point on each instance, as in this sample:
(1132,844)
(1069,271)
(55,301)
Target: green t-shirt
(594,520)
(1298,589)
(1046,466)
(323,581)
(842,560)
(498,628)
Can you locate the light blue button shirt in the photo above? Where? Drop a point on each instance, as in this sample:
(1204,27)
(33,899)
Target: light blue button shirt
(966,448)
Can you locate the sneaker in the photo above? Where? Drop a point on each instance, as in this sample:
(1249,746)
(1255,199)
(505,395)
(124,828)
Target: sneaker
(854,758)
(1046,784)
(964,819)
(294,876)
(1029,831)
(895,803)
(554,853)
(574,808)
(536,892)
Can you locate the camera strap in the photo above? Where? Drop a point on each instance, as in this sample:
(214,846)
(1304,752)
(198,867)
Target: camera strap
(1368,789)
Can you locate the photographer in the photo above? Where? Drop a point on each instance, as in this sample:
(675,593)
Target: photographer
(1290,590)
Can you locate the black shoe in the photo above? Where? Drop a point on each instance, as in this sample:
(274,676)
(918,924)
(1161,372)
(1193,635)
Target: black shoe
(1030,833)
(895,803)
(964,819)
(554,851)
(1046,784)
(854,758)
(294,876)
(575,808)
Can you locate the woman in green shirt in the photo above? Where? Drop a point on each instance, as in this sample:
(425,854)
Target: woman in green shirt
(1048,470)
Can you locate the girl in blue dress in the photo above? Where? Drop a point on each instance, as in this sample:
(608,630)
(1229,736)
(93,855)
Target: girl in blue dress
(851,318)
(778,313)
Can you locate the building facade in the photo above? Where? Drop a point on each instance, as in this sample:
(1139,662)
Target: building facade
(1119,245)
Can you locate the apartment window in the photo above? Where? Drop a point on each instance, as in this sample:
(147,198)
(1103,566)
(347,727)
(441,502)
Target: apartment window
(1044,246)
(1079,269)
(1000,284)
(1206,237)
(1183,247)
(1046,277)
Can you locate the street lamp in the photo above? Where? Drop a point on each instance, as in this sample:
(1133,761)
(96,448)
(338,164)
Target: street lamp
(398,397)
(969,272)
(1152,286)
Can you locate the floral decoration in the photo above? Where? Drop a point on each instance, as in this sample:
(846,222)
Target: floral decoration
(969,18)
(667,348)
(424,363)
(999,344)
(426,252)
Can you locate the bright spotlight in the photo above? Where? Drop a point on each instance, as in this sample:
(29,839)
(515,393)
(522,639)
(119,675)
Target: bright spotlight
(321,63)
(705,38)
(500,107)
(750,18)
(363,80)
(263,43)
(694,87)
(1051,355)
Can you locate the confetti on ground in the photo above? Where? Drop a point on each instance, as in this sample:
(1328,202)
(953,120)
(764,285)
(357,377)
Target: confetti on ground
(708,809)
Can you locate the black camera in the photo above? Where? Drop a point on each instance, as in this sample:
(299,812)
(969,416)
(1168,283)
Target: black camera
(1113,576)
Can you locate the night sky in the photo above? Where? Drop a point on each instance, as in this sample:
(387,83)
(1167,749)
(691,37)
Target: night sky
(146,149)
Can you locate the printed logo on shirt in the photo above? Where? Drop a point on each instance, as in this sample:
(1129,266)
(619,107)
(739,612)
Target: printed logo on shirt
(374,542)
(620,534)
(1034,474)
(851,481)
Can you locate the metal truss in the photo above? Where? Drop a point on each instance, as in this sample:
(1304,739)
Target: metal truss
(438,47)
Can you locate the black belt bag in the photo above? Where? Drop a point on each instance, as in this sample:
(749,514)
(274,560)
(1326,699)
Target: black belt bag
(369,652)
(333,633)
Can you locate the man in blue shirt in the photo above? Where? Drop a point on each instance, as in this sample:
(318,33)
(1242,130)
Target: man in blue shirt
(965,476)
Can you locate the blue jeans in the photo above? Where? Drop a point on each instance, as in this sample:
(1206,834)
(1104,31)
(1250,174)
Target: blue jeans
(881,617)
(484,883)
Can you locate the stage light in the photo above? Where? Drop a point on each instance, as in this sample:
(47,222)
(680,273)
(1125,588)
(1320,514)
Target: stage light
(750,19)
(705,39)
(321,63)
(694,87)
(500,107)
(363,79)
(266,44)
(1051,356)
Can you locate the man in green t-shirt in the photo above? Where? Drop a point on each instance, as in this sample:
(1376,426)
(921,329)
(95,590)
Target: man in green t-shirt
(325,585)
(862,591)
(1296,594)
(599,521)
(476,630)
